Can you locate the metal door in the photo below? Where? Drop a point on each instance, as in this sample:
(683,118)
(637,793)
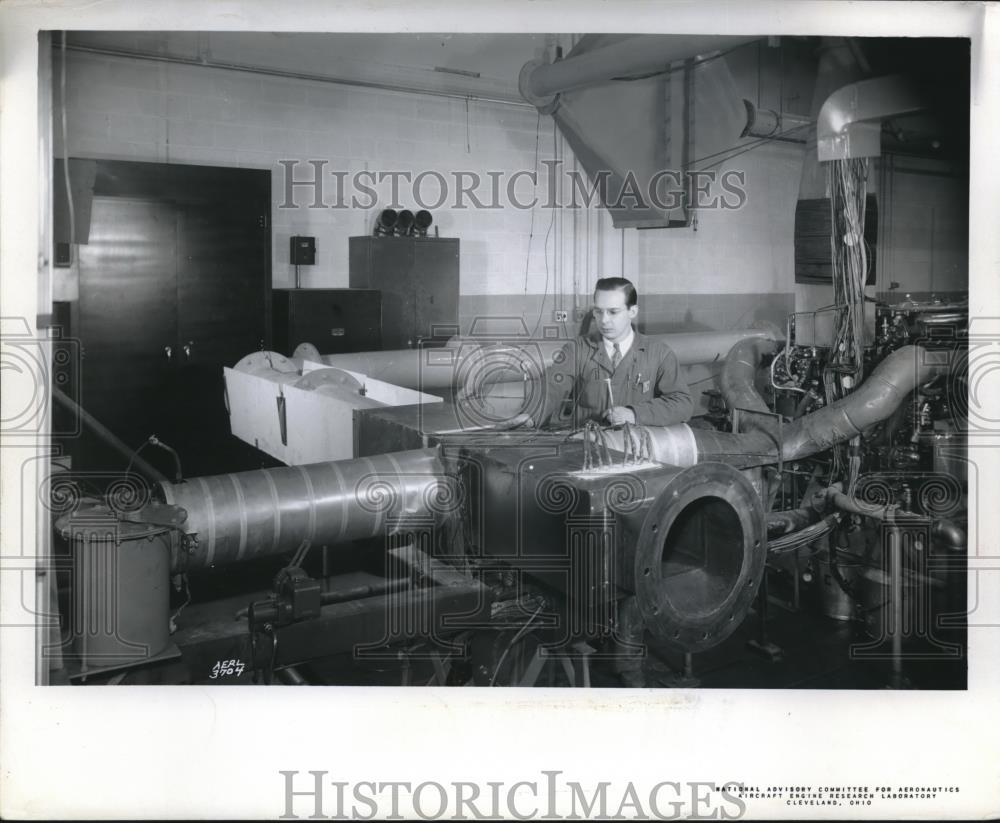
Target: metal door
(435,286)
(221,265)
(128,315)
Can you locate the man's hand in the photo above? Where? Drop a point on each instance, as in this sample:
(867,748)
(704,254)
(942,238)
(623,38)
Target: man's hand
(619,415)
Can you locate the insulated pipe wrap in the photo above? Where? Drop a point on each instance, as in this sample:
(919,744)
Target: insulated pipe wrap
(737,384)
(237,517)
(871,403)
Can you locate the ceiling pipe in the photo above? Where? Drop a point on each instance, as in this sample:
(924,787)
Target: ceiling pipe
(850,120)
(540,82)
(208,63)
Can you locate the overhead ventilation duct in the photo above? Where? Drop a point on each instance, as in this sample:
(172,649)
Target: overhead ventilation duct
(627,104)
(773,125)
(850,121)
(837,67)
(595,61)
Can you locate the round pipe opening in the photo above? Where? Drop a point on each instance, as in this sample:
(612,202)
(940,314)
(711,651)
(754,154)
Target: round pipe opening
(702,556)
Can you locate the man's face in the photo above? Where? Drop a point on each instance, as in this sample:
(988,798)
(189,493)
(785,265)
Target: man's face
(612,317)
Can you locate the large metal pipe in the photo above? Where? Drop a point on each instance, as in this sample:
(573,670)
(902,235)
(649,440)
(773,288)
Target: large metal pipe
(850,120)
(465,359)
(236,517)
(872,402)
(736,382)
(699,557)
(640,54)
(712,346)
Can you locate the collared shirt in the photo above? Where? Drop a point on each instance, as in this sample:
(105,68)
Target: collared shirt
(649,382)
(623,345)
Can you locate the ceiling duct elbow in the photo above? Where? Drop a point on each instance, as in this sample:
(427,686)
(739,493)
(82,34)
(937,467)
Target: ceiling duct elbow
(850,120)
(626,105)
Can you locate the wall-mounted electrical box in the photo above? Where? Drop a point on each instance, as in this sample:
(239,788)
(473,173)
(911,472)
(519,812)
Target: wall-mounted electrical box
(303,251)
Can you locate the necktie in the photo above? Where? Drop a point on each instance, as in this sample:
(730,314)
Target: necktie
(616,357)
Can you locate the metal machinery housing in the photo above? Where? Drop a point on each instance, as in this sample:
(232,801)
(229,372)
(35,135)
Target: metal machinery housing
(488,553)
(548,529)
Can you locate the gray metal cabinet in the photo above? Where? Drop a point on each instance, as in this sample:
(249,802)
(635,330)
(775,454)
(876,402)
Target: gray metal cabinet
(333,320)
(174,284)
(419,281)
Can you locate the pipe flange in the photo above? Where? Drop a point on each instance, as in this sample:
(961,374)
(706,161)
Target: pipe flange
(307,351)
(700,557)
(319,379)
(546,104)
(259,362)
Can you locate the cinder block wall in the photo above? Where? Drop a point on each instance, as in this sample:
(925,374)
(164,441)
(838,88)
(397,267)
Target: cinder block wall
(734,268)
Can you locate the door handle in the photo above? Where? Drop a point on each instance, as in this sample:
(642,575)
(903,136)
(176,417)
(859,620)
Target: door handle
(169,352)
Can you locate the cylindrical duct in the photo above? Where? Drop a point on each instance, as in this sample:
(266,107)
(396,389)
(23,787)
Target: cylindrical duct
(768,123)
(710,346)
(737,384)
(423,370)
(238,517)
(640,54)
(670,445)
(700,556)
(466,358)
(871,403)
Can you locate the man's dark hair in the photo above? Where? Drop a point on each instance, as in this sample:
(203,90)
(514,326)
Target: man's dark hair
(612,283)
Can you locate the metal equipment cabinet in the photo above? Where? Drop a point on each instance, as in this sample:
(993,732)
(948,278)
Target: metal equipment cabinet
(333,320)
(419,281)
(174,284)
